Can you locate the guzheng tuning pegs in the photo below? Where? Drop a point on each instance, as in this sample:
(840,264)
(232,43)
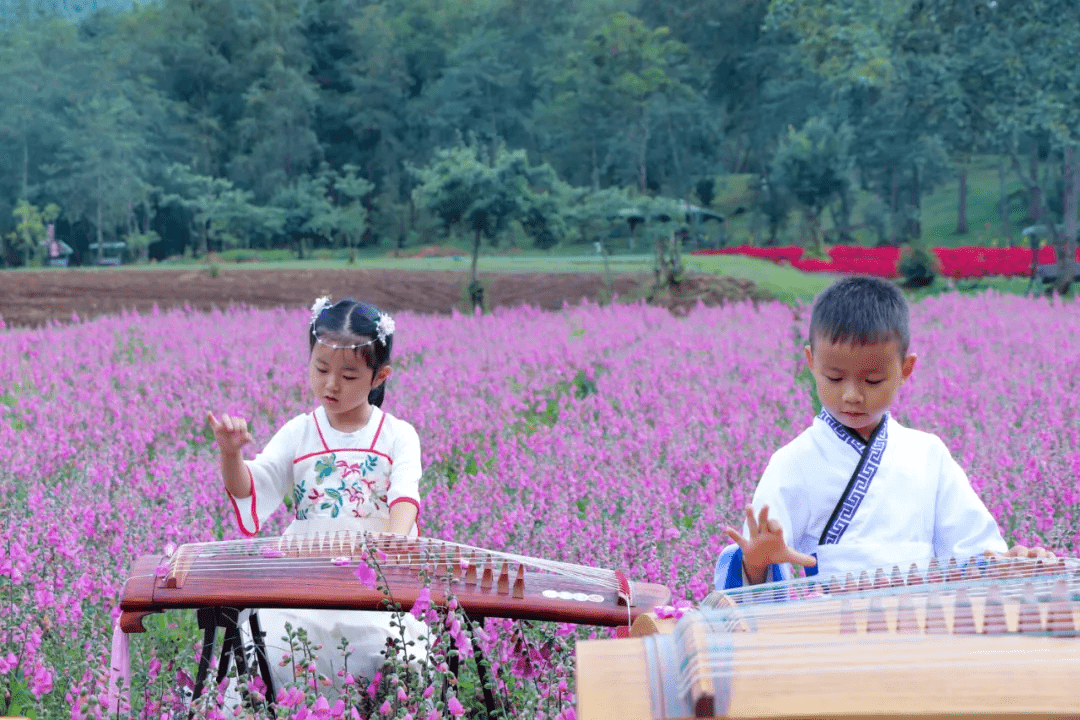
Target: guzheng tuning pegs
(876,622)
(972,569)
(906,621)
(952,571)
(504,579)
(1030,617)
(994,622)
(963,616)
(519,583)
(933,572)
(914,577)
(1059,618)
(935,615)
(864,581)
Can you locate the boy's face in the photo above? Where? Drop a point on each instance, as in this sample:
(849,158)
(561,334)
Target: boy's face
(857,383)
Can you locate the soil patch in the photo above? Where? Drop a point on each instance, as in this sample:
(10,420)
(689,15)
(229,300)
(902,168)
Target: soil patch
(32,298)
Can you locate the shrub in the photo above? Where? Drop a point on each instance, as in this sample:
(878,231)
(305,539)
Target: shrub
(918,266)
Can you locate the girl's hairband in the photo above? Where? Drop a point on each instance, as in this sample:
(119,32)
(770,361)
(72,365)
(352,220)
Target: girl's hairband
(384,326)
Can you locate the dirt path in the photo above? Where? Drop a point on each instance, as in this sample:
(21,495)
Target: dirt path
(32,298)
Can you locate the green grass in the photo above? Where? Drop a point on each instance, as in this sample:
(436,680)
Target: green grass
(939,211)
(783,282)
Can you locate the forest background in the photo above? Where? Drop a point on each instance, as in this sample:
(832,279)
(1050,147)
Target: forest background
(189,126)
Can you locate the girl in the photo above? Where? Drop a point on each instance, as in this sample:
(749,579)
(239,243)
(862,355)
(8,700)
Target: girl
(345,466)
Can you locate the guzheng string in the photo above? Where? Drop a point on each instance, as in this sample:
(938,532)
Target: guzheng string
(393,553)
(743,672)
(980,596)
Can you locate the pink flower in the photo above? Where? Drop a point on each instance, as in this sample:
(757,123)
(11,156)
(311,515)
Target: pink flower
(366,575)
(374,686)
(8,663)
(454,706)
(423,602)
(675,611)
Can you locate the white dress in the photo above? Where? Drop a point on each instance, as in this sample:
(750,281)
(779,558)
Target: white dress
(329,481)
(909,501)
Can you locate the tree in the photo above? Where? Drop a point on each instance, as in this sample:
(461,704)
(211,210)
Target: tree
(30,232)
(623,70)
(219,211)
(483,191)
(813,166)
(276,141)
(101,168)
(1023,55)
(327,205)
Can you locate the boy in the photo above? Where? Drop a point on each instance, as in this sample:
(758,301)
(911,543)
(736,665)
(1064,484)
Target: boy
(856,490)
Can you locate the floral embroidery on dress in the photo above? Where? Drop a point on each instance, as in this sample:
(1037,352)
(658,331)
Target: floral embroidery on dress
(359,489)
(324,467)
(360,468)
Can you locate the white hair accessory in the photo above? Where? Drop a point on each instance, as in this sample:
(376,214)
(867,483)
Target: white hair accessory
(384,327)
(318,306)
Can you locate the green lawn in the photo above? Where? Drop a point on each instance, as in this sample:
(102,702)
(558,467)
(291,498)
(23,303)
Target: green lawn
(939,211)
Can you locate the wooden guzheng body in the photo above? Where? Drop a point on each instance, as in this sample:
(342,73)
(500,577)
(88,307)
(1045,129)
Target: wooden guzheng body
(318,572)
(988,639)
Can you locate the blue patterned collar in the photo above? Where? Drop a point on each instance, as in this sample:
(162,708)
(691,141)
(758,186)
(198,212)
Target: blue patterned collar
(846,434)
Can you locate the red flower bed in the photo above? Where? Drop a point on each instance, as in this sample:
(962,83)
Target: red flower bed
(959,263)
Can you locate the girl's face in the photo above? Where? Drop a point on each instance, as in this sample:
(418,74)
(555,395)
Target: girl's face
(341,380)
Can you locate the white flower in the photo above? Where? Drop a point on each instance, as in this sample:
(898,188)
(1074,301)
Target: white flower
(384,327)
(318,306)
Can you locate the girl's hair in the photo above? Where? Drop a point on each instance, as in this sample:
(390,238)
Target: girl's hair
(354,325)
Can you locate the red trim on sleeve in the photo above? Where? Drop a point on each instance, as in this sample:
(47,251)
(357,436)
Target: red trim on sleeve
(319,430)
(377,431)
(236,508)
(408,500)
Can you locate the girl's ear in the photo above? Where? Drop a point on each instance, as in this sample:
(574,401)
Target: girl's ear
(380,377)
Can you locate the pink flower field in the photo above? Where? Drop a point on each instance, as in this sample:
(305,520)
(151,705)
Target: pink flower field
(617,437)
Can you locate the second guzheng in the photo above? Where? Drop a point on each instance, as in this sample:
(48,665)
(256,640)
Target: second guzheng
(980,638)
(318,572)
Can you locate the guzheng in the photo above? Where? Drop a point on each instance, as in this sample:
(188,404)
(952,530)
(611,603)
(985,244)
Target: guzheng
(319,572)
(987,638)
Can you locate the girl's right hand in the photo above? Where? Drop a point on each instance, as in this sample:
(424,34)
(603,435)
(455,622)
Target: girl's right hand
(230,432)
(765,546)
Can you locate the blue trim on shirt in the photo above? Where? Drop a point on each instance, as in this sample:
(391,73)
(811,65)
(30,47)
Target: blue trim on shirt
(729,572)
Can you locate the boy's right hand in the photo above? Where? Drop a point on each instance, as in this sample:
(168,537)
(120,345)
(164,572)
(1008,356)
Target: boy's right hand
(230,432)
(765,546)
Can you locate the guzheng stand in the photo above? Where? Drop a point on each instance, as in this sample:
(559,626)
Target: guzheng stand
(232,646)
(228,619)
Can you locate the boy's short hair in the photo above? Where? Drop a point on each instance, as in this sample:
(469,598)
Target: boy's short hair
(861,311)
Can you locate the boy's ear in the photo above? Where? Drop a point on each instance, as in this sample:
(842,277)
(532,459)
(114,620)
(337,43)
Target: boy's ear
(908,366)
(380,377)
(809,357)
